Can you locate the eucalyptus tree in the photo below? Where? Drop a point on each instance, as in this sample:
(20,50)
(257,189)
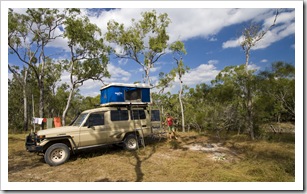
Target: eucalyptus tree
(88,54)
(250,37)
(29,35)
(144,42)
(178,51)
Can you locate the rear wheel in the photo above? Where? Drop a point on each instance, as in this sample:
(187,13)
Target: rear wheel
(131,142)
(57,154)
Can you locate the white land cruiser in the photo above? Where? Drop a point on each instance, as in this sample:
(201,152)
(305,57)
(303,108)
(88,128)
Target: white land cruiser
(95,127)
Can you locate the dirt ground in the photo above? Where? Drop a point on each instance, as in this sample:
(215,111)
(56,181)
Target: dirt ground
(191,158)
(111,163)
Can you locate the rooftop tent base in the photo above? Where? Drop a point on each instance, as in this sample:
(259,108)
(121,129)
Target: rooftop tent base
(126,104)
(125,94)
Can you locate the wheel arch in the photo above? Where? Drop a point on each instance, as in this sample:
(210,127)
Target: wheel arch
(65,140)
(136,132)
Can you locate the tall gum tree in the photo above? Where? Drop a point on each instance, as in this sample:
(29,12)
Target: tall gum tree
(88,55)
(178,51)
(251,36)
(144,42)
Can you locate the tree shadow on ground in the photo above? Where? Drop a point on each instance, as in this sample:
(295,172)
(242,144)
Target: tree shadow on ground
(139,159)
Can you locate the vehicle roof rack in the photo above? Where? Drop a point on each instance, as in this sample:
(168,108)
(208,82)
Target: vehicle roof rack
(125,104)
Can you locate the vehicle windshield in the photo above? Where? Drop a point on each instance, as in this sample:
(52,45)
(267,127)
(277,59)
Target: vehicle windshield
(80,119)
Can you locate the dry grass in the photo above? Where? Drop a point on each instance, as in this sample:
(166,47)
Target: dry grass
(232,160)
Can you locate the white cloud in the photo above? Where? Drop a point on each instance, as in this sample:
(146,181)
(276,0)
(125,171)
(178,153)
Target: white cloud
(61,43)
(232,43)
(204,73)
(213,62)
(201,74)
(264,61)
(117,74)
(91,88)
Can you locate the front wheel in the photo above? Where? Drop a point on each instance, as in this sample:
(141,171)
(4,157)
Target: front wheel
(57,154)
(131,142)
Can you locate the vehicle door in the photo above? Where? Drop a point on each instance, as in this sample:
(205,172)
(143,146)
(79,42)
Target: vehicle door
(118,125)
(94,131)
(141,121)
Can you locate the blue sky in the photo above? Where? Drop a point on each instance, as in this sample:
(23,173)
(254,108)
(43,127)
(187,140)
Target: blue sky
(211,37)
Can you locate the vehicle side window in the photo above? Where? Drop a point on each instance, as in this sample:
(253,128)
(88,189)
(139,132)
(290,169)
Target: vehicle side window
(96,119)
(138,114)
(155,115)
(119,115)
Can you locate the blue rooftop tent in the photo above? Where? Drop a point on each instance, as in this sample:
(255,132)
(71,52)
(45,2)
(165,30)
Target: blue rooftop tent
(121,94)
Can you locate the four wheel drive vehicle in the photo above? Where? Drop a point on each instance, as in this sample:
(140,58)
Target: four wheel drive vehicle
(93,128)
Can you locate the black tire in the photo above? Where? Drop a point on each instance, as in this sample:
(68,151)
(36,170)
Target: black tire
(57,154)
(131,142)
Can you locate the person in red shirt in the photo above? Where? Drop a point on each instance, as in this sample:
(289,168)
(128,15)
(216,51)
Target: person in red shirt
(170,124)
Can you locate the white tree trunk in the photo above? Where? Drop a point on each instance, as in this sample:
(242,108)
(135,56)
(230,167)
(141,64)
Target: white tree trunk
(25,102)
(41,100)
(67,105)
(181,106)
(250,123)
(147,70)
